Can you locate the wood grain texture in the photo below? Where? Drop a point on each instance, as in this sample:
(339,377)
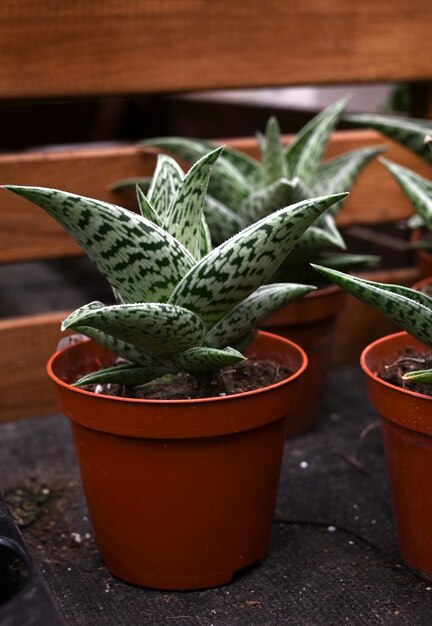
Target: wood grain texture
(27,233)
(27,343)
(125,46)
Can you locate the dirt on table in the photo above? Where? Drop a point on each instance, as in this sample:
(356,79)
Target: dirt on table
(239,378)
(408,361)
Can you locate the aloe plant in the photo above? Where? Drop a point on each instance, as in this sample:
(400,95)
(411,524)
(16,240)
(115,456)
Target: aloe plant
(181,305)
(413,134)
(242,190)
(410,309)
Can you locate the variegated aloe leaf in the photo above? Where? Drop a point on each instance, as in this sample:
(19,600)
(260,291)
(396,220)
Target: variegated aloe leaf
(205,238)
(236,268)
(166,181)
(222,221)
(327,223)
(417,188)
(205,359)
(122,375)
(310,243)
(142,261)
(184,216)
(419,376)
(273,163)
(121,348)
(146,208)
(303,155)
(348,261)
(227,183)
(251,311)
(269,199)
(161,329)
(340,173)
(143,183)
(410,133)
(410,309)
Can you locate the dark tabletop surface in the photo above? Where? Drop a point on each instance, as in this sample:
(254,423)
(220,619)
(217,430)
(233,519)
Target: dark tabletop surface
(333,557)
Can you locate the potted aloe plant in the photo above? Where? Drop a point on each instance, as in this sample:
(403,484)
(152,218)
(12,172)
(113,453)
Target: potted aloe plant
(243,190)
(180,491)
(398,370)
(413,134)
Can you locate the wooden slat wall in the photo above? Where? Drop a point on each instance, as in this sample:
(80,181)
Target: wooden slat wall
(27,233)
(124,46)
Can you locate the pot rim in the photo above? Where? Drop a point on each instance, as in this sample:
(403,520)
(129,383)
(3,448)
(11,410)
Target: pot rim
(363,358)
(185,401)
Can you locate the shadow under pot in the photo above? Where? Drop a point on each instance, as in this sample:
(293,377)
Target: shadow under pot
(181,493)
(406,420)
(310,322)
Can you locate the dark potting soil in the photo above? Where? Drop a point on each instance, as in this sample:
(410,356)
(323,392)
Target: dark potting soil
(239,378)
(408,361)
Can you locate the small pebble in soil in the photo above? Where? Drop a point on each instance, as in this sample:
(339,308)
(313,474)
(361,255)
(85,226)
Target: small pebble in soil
(332,529)
(304,464)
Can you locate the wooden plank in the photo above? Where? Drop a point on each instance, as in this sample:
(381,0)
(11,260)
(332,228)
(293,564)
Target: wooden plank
(113,46)
(27,343)
(359,324)
(27,233)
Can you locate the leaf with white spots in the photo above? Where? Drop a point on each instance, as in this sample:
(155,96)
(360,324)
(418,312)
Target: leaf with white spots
(142,261)
(236,268)
(160,329)
(253,310)
(128,375)
(166,181)
(205,359)
(410,309)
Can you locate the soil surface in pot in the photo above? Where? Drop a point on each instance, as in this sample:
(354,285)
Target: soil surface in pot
(408,361)
(239,378)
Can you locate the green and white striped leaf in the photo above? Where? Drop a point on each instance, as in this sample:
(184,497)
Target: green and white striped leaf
(269,199)
(328,225)
(161,329)
(410,309)
(166,181)
(146,208)
(339,174)
(253,310)
(143,182)
(222,221)
(303,155)
(204,359)
(417,188)
(410,133)
(236,268)
(142,261)
(348,261)
(313,241)
(183,219)
(205,238)
(121,348)
(273,163)
(129,375)
(419,376)
(227,183)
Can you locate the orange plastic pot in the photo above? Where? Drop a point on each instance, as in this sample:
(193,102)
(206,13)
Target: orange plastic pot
(310,322)
(181,493)
(423,257)
(406,419)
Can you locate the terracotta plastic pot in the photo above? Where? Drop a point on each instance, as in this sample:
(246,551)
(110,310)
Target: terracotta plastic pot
(310,322)
(181,493)
(406,419)
(423,257)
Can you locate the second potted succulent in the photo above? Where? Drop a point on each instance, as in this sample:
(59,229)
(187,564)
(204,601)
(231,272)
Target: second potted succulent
(243,190)
(180,486)
(398,370)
